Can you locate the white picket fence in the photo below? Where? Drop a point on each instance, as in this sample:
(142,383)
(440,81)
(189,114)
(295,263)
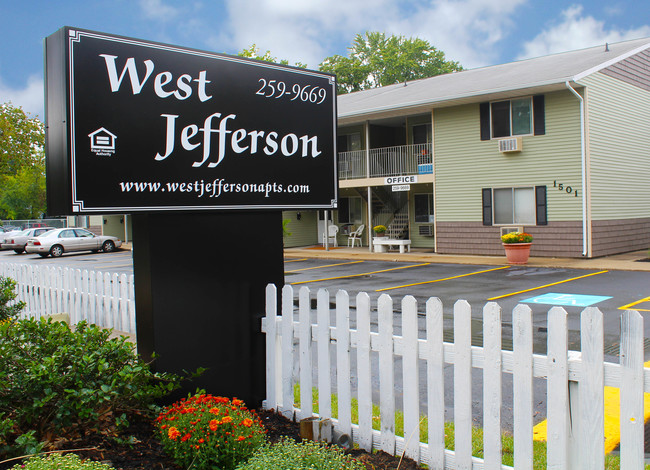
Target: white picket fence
(103,299)
(575,380)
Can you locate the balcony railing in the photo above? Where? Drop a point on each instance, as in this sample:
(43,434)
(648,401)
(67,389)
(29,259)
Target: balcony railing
(388,161)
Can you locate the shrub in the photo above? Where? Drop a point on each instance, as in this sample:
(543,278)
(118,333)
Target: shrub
(60,462)
(55,382)
(204,431)
(306,455)
(8,308)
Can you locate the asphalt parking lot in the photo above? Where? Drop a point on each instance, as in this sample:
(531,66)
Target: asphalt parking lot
(538,287)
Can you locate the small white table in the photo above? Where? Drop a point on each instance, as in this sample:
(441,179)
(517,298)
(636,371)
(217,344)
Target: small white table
(382,243)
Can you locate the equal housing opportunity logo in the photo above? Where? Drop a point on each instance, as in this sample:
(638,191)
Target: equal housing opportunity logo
(102,142)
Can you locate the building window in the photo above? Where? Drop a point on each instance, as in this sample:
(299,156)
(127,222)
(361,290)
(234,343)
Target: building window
(350,210)
(512,117)
(521,116)
(348,142)
(510,206)
(423,205)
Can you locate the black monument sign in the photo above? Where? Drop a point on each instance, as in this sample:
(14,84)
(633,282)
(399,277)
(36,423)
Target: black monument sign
(149,127)
(205,150)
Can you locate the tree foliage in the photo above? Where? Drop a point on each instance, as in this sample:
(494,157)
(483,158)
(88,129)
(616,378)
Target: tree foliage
(22,164)
(376,60)
(253,52)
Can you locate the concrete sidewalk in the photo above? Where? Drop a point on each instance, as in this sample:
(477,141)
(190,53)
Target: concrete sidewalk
(623,262)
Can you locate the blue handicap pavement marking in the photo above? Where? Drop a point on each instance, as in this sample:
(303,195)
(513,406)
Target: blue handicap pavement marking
(573,300)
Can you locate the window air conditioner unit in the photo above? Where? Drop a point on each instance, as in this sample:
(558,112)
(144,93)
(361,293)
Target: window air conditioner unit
(513,144)
(505,230)
(425,230)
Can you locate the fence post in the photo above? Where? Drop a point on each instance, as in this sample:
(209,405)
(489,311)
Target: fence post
(436,383)
(386,374)
(411,377)
(304,336)
(324,363)
(492,391)
(363,372)
(573,442)
(592,383)
(463,384)
(632,425)
(287,351)
(557,397)
(522,379)
(343,375)
(273,356)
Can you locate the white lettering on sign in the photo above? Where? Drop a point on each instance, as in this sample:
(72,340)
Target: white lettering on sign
(401,179)
(401,187)
(181,91)
(240,140)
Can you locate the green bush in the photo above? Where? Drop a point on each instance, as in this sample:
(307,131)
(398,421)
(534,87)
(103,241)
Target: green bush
(307,455)
(55,382)
(8,309)
(60,462)
(204,431)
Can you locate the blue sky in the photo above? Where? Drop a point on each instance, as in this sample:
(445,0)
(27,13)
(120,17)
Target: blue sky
(474,32)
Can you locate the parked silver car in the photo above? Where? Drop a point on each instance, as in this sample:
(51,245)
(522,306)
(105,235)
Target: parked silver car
(4,236)
(18,240)
(61,240)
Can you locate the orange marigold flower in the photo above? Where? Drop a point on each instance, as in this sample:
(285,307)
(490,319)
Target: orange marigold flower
(214,424)
(226,419)
(214,411)
(237,402)
(173,433)
(201,441)
(241,438)
(186,437)
(247,422)
(221,399)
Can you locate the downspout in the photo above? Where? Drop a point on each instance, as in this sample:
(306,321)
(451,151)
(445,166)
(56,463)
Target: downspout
(583,155)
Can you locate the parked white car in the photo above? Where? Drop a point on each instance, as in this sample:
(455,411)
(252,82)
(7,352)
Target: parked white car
(18,240)
(62,240)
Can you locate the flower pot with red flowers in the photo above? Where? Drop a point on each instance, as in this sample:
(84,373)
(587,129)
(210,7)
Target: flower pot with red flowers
(517,246)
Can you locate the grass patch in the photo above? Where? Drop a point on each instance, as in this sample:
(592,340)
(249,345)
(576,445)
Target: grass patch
(612,462)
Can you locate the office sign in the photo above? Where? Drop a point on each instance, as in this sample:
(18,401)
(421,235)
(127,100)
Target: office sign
(137,126)
(392,180)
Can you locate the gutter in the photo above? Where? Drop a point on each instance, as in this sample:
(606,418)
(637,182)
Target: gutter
(583,159)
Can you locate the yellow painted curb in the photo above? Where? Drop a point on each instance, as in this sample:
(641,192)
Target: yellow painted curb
(612,400)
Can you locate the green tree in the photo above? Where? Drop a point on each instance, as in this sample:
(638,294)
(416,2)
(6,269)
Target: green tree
(376,60)
(253,52)
(22,164)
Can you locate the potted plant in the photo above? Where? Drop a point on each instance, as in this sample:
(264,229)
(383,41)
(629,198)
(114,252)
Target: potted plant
(380,230)
(517,246)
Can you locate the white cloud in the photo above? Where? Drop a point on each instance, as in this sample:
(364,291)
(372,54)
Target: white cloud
(467,31)
(577,31)
(157,10)
(30,98)
(309,31)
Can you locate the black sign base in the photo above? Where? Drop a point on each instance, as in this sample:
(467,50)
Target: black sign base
(200,284)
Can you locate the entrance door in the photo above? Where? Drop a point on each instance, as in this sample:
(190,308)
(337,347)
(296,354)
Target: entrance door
(321,223)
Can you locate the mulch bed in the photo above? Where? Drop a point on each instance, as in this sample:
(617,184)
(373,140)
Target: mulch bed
(146,452)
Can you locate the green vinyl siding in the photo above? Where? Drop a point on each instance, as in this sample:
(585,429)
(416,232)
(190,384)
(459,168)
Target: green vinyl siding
(304,232)
(619,148)
(464,164)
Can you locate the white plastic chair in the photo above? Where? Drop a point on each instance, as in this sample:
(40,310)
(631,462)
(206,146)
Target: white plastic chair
(332,232)
(356,236)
